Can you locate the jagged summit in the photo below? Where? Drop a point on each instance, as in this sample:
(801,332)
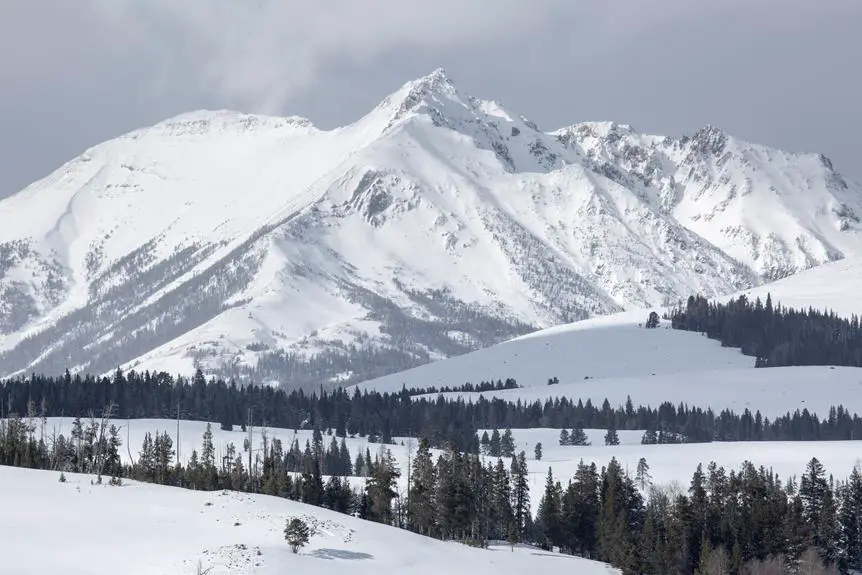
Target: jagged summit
(263,248)
(434,94)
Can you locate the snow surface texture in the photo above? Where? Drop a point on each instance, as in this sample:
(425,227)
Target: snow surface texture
(263,248)
(229,532)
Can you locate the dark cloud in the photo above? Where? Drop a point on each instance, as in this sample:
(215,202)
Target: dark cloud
(780,72)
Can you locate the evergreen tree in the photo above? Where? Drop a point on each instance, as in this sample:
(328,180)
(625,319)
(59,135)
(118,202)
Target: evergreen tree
(507,444)
(649,437)
(850,524)
(537,451)
(579,437)
(485,443)
(520,493)
(494,445)
(549,515)
(642,475)
(423,486)
(611,437)
(564,437)
(381,487)
(812,491)
(501,516)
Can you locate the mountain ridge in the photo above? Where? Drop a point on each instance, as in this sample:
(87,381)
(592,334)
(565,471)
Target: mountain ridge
(266,249)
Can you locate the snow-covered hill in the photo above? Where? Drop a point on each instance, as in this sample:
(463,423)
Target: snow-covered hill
(141,529)
(614,357)
(435,225)
(831,286)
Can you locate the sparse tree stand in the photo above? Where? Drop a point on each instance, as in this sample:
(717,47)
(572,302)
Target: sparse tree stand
(296,534)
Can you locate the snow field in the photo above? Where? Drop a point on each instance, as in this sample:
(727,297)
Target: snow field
(77,528)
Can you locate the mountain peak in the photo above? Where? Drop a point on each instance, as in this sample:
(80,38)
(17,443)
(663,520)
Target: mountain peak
(710,140)
(429,93)
(437,81)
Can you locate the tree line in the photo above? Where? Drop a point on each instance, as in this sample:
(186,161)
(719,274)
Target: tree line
(468,387)
(386,415)
(775,335)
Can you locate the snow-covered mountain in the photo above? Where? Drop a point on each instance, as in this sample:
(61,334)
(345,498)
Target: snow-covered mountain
(437,224)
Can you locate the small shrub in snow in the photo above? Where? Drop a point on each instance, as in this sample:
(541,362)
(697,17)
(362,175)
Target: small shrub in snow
(296,533)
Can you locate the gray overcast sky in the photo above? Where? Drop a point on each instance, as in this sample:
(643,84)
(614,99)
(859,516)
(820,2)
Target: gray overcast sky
(779,72)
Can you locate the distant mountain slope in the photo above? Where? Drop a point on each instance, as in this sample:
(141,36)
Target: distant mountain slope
(266,249)
(833,286)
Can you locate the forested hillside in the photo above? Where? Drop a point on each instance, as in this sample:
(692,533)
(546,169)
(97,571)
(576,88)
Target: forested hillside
(775,335)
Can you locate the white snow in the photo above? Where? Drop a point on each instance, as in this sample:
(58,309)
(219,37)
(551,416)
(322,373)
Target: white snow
(831,286)
(579,354)
(140,529)
(432,189)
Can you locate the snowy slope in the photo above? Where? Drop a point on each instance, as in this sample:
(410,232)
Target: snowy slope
(141,529)
(612,357)
(437,224)
(832,286)
(582,353)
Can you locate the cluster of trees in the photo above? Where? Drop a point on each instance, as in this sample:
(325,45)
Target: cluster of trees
(384,416)
(468,387)
(741,522)
(775,335)
(497,445)
(464,498)
(575,437)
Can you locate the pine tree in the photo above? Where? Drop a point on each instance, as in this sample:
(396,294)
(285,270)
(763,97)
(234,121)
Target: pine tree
(501,502)
(344,459)
(537,451)
(507,444)
(611,437)
(549,515)
(520,493)
(564,437)
(494,445)
(381,487)
(649,437)
(642,475)
(421,513)
(578,437)
(812,491)
(208,458)
(485,443)
(850,521)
